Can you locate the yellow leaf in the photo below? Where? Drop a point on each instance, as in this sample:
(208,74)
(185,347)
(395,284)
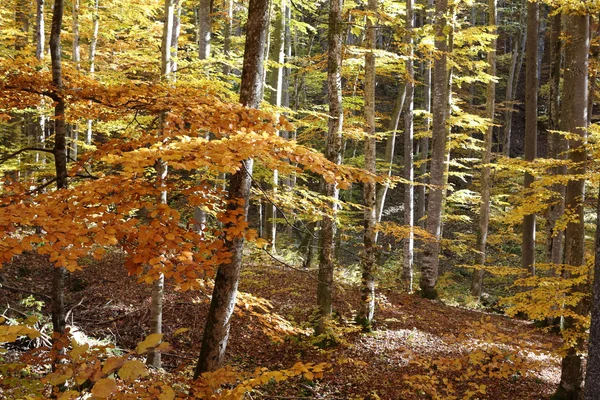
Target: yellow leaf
(167,394)
(180,331)
(151,341)
(309,375)
(111,364)
(132,370)
(104,388)
(70,395)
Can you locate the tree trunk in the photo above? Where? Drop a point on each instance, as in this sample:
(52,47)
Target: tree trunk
(22,20)
(367,287)
(162,170)
(424,146)
(484,210)
(278,56)
(574,120)
(166,56)
(409,189)
(204,28)
(76,56)
(557,145)
(175,32)
(227,30)
(429,271)
(92,60)
(60,157)
(390,149)
(216,331)
(40,35)
(333,152)
(158,286)
(592,372)
(513,82)
(531,108)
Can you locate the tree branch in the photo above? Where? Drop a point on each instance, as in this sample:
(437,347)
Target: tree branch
(16,153)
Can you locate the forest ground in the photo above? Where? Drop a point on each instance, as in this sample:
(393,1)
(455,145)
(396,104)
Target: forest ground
(419,348)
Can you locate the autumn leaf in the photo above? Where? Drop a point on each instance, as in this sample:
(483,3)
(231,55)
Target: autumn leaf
(132,370)
(104,388)
(151,341)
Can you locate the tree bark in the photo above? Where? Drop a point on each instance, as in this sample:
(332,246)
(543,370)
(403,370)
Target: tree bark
(278,56)
(592,372)
(484,210)
(424,146)
(367,287)
(76,56)
(40,34)
(390,149)
(162,171)
(60,156)
(409,172)
(513,82)
(531,110)
(204,28)
(216,331)
(22,20)
(333,152)
(430,267)
(574,120)
(557,144)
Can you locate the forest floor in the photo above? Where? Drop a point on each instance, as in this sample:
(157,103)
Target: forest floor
(419,348)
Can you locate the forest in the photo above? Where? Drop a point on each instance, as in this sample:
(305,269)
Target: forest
(299,199)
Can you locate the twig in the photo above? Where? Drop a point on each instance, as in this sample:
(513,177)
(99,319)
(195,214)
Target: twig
(16,289)
(42,187)
(72,308)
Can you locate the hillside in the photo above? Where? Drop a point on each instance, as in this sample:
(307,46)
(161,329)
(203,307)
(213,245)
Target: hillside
(419,348)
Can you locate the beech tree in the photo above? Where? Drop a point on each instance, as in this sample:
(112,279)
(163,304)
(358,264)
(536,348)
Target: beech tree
(218,321)
(367,309)
(333,152)
(574,119)
(531,116)
(431,251)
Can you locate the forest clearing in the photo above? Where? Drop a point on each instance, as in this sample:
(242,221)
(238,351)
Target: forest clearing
(290,199)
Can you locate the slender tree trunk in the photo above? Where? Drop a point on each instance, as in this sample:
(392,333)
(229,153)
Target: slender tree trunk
(204,28)
(557,144)
(227,31)
(76,57)
(156,306)
(166,54)
(92,60)
(531,109)
(278,56)
(158,287)
(60,157)
(592,372)
(484,210)
(216,331)
(513,82)
(40,39)
(390,149)
(175,32)
(40,35)
(333,153)
(409,172)
(22,20)
(574,120)
(430,267)
(367,287)
(424,146)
